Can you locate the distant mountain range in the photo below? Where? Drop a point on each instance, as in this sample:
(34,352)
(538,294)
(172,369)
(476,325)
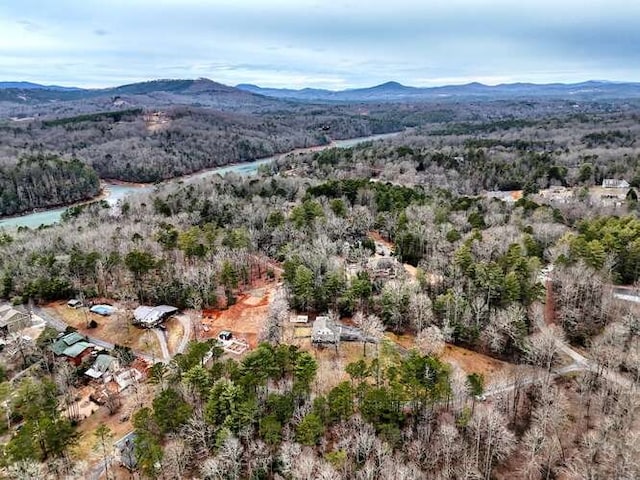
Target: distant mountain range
(35,86)
(53,92)
(394,91)
(24,99)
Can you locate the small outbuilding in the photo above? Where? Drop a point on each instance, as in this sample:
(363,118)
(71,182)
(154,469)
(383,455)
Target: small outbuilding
(614,183)
(74,303)
(300,319)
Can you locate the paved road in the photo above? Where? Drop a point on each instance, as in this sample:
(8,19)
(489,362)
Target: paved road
(532,379)
(162,340)
(582,363)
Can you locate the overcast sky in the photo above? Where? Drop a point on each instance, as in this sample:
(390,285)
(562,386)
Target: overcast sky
(329,43)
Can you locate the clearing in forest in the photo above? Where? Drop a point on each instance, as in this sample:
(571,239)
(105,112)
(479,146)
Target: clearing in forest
(113,328)
(468,360)
(244,319)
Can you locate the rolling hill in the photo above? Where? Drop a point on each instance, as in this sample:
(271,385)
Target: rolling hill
(394,91)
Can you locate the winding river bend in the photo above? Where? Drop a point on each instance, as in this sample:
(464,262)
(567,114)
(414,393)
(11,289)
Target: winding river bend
(116,192)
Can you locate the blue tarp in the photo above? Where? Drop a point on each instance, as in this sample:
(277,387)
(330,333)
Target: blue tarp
(102,309)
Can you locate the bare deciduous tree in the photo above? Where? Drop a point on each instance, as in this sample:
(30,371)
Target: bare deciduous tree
(430,341)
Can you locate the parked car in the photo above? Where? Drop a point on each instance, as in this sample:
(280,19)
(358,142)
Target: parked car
(74,303)
(225,335)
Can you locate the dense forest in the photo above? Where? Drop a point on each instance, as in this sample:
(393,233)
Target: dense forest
(394,411)
(573,150)
(44,181)
(397,239)
(139,146)
(511,143)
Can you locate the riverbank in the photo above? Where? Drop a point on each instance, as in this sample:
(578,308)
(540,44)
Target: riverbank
(115,190)
(103,195)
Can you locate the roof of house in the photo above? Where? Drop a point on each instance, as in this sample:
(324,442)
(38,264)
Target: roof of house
(127,377)
(60,345)
(76,349)
(100,366)
(614,183)
(8,314)
(71,338)
(152,315)
(324,330)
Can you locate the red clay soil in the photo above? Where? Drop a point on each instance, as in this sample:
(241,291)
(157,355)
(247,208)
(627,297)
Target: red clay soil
(141,365)
(244,319)
(550,304)
(378,238)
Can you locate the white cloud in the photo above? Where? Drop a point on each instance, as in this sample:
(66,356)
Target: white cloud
(319,44)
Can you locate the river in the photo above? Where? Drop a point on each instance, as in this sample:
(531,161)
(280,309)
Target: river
(116,192)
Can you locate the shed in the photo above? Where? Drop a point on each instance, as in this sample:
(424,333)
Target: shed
(74,303)
(300,319)
(614,183)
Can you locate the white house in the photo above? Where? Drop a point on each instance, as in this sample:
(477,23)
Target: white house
(614,183)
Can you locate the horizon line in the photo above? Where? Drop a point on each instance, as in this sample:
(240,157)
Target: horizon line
(249,83)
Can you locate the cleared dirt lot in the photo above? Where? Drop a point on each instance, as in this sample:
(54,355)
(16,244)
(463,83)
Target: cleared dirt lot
(245,318)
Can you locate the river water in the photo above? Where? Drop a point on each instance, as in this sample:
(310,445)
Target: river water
(117,192)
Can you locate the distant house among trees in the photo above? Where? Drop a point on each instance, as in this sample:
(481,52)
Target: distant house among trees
(325,331)
(614,183)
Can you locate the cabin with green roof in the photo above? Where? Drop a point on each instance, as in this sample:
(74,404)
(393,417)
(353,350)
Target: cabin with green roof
(73,346)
